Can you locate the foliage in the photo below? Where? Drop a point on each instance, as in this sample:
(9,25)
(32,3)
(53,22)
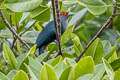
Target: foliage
(100,62)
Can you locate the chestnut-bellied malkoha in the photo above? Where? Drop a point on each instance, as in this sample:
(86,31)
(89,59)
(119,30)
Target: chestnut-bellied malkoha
(48,34)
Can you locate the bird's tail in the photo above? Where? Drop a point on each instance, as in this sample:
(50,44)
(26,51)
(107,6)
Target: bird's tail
(41,49)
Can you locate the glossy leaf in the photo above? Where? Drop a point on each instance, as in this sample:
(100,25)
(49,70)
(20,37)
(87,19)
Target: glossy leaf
(22,5)
(56,60)
(42,57)
(30,36)
(77,45)
(11,74)
(47,73)
(68,74)
(95,7)
(117,75)
(9,57)
(25,59)
(84,66)
(34,68)
(69,3)
(99,72)
(86,77)
(3,77)
(108,69)
(21,75)
(77,16)
(111,52)
(96,51)
(59,68)
(70,62)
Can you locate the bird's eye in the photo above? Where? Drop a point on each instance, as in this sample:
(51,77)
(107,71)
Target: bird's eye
(63,14)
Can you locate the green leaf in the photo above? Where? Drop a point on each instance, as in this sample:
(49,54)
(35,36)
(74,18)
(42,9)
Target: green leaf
(3,77)
(78,15)
(70,62)
(2,24)
(111,52)
(86,77)
(96,51)
(21,75)
(77,45)
(9,57)
(56,60)
(22,5)
(42,57)
(30,36)
(31,51)
(95,7)
(99,71)
(108,69)
(18,46)
(69,3)
(47,73)
(34,68)
(107,47)
(68,55)
(117,75)
(84,66)
(5,34)
(59,68)
(52,47)
(41,14)
(67,35)
(20,59)
(11,74)
(68,74)
(115,64)
(25,59)
(113,57)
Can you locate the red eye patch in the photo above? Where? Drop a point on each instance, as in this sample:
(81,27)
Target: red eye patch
(64,14)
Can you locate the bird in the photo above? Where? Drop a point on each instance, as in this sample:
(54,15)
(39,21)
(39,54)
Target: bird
(48,33)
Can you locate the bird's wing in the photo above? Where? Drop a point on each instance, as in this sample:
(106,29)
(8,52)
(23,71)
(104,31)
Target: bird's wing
(47,35)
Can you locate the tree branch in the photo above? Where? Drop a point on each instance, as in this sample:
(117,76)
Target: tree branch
(117,14)
(12,30)
(99,32)
(57,24)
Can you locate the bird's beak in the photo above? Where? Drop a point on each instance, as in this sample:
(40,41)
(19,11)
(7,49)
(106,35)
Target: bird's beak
(70,14)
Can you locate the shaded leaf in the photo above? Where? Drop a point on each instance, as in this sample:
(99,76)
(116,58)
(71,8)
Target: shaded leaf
(108,69)
(41,14)
(47,73)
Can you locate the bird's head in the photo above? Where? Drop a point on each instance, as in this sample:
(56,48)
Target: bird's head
(65,15)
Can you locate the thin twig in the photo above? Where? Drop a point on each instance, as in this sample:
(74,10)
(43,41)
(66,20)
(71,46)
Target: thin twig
(12,33)
(12,30)
(117,14)
(28,29)
(99,32)
(57,25)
